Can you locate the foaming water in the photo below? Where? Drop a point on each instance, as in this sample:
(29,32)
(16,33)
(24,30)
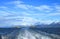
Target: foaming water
(27,33)
(32,35)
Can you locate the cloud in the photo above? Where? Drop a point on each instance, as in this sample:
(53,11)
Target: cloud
(3,7)
(25,21)
(41,8)
(16,19)
(18,4)
(44,8)
(3,13)
(57,7)
(54,14)
(22,5)
(25,14)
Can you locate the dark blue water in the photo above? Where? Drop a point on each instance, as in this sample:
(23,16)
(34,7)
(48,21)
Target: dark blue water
(4,31)
(47,30)
(30,33)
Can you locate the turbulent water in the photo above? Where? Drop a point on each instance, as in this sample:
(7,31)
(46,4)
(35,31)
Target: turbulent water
(28,33)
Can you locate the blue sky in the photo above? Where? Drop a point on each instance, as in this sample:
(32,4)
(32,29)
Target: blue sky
(28,12)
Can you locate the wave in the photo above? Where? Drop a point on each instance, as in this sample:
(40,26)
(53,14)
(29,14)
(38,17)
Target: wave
(29,34)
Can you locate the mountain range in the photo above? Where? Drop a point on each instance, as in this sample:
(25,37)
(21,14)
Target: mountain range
(54,25)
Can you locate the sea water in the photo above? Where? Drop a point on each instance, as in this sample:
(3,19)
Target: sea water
(27,33)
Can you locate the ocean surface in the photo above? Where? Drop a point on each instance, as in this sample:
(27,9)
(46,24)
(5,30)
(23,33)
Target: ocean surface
(29,33)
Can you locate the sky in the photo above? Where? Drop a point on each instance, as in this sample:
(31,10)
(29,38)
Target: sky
(28,12)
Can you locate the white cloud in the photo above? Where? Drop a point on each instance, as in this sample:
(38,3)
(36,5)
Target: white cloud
(22,5)
(15,2)
(57,7)
(24,21)
(4,13)
(27,17)
(47,21)
(3,7)
(54,14)
(45,8)
(41,8)
(18,4)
